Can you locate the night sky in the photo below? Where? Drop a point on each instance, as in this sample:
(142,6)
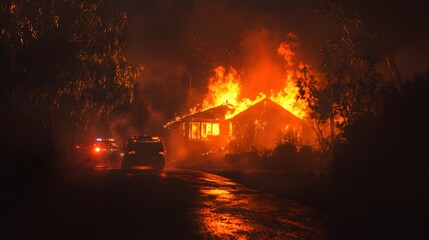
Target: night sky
(172,34)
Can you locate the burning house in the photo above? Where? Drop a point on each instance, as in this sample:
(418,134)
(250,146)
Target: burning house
(262,125)
(200,132)
(235,116)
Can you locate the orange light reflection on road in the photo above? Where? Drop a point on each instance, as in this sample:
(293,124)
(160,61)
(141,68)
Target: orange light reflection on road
(143,167)
(220,194)
(230,211)
(223,224)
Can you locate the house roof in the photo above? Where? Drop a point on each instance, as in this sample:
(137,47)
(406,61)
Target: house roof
(264,109)
(267,109)
(215,113)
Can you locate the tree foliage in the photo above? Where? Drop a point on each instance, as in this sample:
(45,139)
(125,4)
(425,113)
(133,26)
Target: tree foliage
(348,85)
(380,176)
(63,56)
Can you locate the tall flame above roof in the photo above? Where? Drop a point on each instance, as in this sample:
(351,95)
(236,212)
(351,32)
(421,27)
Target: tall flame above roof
(225,86)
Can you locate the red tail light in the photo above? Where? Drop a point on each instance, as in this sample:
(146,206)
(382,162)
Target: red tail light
(97,149)
(161,153)
(132,152)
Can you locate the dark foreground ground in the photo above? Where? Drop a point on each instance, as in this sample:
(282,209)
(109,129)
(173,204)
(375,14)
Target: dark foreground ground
(403,216)
(175,204)
(367,210)
(309,188)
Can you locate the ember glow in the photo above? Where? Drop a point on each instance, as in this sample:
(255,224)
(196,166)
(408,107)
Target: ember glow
(224,87)
(256,105)
(287,99)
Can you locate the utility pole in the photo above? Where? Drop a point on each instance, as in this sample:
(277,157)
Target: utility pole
(190,90)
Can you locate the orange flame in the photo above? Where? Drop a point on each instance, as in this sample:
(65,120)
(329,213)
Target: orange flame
(243,105)
(287,97)
(224,88)
(286,49)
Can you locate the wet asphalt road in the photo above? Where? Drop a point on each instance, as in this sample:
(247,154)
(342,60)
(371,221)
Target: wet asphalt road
(174,204)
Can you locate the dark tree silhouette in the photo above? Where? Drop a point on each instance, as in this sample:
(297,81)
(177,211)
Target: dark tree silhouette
(349,84)
(60,60)
(381,174)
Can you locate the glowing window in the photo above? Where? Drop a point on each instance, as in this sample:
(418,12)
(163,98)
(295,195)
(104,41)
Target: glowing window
(203,130)
(210,129)
(215,129)
(206,129)
(195,130)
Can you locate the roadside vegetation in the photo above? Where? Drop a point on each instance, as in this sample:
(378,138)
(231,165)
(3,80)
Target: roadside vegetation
(62,66)
(380,175)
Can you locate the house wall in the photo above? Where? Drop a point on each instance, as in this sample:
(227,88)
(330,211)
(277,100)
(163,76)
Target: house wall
(190,143)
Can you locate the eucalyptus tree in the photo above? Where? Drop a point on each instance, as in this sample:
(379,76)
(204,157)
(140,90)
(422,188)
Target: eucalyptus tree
(62,59)
(348,84)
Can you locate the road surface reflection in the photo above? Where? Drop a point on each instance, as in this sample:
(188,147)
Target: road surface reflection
(228,210)
(139,204)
